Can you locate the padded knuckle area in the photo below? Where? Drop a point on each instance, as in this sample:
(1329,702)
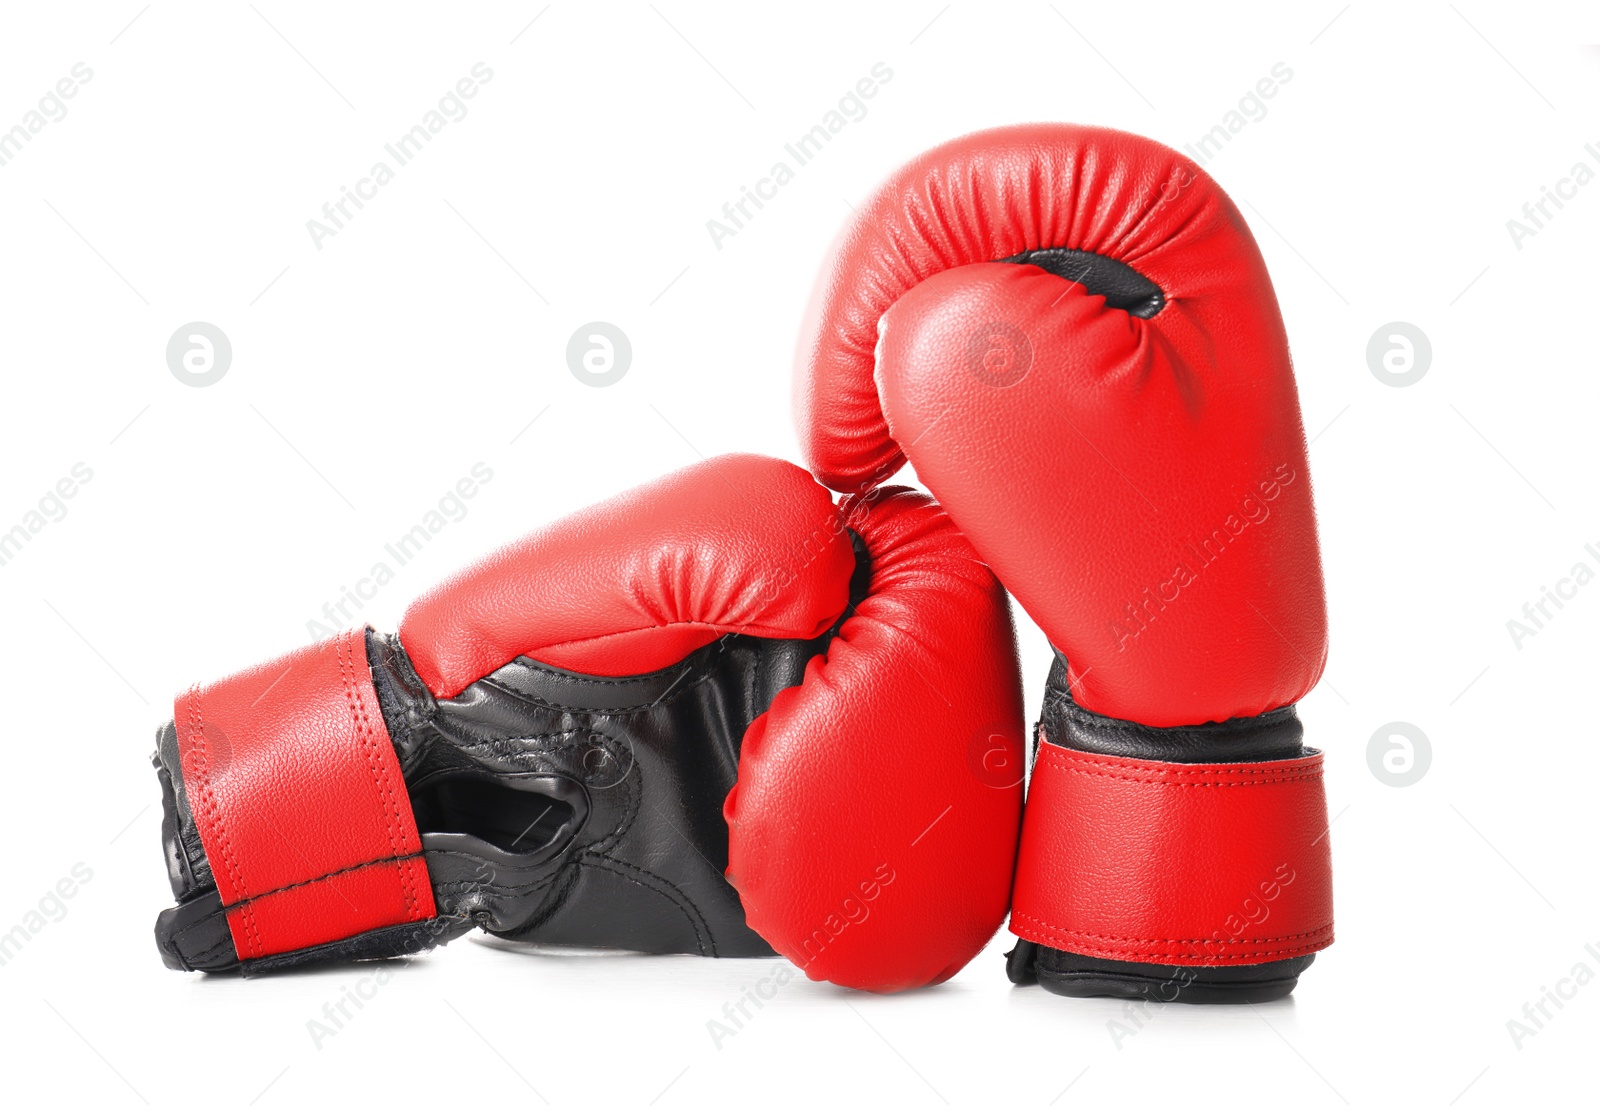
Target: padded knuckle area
(1119,214)
(735,544)
(871,769)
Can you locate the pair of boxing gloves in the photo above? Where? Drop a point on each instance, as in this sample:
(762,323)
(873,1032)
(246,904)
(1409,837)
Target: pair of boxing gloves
(723,715)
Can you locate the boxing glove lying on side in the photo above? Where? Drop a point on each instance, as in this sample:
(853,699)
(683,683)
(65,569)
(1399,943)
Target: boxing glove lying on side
(1071,334)
(548,749)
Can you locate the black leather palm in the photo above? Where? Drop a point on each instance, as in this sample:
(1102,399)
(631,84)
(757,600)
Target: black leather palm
(553,807)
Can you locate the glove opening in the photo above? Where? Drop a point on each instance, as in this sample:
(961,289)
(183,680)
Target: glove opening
(1121,285)
(520,816)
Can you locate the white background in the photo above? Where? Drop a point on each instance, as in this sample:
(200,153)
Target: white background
(370,375)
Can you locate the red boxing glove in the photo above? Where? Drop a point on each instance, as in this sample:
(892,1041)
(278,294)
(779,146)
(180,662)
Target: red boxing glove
(548,749)
(1071,334)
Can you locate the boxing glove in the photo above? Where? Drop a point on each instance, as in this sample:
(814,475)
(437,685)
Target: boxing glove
(549,749)
(1071,334)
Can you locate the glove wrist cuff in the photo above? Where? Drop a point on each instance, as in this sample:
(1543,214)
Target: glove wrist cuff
(1186,864)
(1197,845)
(297,795)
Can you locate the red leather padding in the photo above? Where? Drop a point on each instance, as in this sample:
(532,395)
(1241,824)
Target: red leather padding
(1182,864)
(874,825)
(735,544)
(995,194)
(1139,485)
(298,797)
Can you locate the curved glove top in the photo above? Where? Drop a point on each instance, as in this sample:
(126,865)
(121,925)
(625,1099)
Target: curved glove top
(546,748)
(1111,424)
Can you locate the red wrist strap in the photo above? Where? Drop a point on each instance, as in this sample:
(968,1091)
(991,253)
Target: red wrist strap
(1182,864)
(298,797)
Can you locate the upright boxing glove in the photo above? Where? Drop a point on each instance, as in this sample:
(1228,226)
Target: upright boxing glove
(548,749)
(1071,334)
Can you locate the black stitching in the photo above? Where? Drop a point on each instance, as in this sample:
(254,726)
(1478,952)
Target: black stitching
(674,691)
(325,876)
(633,872)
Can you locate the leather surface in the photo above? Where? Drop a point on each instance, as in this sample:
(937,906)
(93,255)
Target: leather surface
(734,544)
(1209,895)
(297,796)
(1139,484)
(1079,976)
(880,779)
(554,807)
(1071,333)
(1182,864)
(632,853)
(1121,285)
(875,821)
(1275,735)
